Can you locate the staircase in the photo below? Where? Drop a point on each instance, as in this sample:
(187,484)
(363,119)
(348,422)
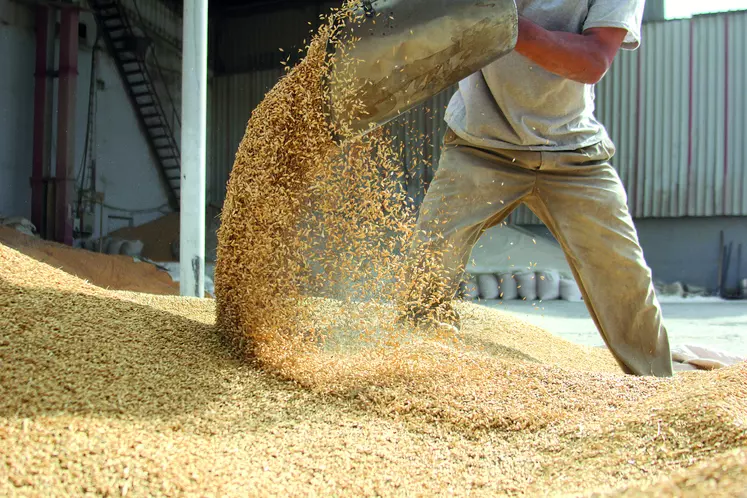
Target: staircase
(129,53)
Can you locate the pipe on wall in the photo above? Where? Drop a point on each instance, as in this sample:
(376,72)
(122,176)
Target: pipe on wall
(65,167)
(40,158)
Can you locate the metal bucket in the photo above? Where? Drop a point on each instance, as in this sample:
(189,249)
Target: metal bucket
(405,51)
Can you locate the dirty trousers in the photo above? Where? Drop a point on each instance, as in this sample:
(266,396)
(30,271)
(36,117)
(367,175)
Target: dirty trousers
(580,198)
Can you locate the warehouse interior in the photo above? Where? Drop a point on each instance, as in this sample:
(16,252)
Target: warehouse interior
(674,108)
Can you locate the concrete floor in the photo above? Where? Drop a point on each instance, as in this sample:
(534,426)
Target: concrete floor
(716,324)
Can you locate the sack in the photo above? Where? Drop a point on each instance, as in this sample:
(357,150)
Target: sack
(471,292)
(507,284)
(548,285)
(527,285)
(488,286)
(704,358)
(569,291)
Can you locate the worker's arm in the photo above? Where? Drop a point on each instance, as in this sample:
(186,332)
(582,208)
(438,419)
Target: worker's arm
(584,58)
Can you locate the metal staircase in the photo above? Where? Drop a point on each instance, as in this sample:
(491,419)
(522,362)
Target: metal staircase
(129,54)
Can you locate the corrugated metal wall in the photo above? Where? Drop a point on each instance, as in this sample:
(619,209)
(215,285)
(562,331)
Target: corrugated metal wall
(421,132)
(736,59)
(231,100)
(675,108)
(243,44)
(643,101)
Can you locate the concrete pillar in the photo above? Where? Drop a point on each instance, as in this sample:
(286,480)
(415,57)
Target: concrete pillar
(193,148)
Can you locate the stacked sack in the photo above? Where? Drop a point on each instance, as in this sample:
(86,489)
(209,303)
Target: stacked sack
(527,285)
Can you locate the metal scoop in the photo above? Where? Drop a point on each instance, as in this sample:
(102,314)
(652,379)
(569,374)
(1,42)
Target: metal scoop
(397,53)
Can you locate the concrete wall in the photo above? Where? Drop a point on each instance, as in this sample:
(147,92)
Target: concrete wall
(125,169)
(687,249)
(16,104)
(126,172)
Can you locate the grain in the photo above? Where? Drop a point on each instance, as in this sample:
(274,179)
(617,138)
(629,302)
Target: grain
(314,230)
(297,380)
(108,271)
(157,237)
(119,393)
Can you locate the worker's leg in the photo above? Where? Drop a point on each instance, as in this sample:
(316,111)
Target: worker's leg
(581,199)
(472,190)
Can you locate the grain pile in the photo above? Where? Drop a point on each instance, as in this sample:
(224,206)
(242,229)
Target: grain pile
(104,270)
(118,393)
(158,237)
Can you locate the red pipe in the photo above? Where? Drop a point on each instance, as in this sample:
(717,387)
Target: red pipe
(65,169)
(40,118)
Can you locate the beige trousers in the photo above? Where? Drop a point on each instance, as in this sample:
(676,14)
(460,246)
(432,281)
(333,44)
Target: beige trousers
(580,198)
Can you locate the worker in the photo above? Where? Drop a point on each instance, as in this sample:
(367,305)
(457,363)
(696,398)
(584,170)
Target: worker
(523,130)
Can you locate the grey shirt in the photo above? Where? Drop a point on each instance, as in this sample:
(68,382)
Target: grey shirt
(515,104)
